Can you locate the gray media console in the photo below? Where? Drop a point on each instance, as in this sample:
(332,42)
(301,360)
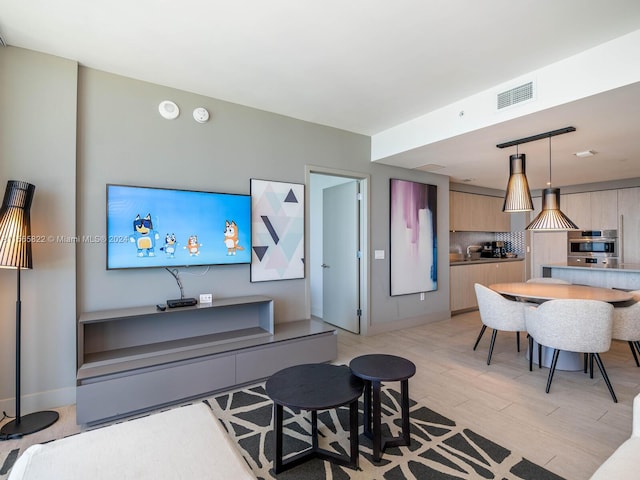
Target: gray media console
(136,359)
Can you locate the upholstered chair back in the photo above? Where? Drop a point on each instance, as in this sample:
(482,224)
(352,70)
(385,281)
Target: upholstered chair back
(626,321)
(572,325)
(499,313)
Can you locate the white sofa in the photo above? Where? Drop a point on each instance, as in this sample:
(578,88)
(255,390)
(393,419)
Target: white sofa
(182,443)
(624,463)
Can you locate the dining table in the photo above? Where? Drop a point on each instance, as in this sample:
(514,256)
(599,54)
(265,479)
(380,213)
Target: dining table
(554,291)
(536,293)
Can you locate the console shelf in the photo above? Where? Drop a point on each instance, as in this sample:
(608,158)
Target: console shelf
(135,359)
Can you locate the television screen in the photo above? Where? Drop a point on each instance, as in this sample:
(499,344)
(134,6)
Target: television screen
(157,227)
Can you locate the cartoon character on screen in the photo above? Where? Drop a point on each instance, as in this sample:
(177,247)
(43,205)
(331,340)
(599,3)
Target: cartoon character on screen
(170,245)
(144,236)
(193,247)
(231,237)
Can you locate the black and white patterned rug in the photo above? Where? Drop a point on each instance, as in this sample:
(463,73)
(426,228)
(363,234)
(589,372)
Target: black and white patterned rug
(440,448)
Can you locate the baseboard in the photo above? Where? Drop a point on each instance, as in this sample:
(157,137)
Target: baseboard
(40,401)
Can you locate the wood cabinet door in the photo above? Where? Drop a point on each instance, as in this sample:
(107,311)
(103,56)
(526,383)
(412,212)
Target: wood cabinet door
(469,212)
(510,272)
(604,210)
(577,206)
(462,279)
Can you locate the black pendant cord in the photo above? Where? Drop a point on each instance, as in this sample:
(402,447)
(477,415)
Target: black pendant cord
(549,161)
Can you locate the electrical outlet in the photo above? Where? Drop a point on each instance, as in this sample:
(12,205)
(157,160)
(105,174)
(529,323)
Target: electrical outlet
(206,298)
(422,296)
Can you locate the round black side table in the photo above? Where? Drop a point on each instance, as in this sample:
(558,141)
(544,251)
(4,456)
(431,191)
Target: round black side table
(375,369)
(313,387)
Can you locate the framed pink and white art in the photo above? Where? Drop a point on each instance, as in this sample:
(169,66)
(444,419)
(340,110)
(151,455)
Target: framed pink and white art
(413,220)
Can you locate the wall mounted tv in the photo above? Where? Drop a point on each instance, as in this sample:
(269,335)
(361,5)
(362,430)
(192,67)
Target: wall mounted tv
(159,227)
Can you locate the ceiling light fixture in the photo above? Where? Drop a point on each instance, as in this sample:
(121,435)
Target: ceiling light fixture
(517,197)
(551,217)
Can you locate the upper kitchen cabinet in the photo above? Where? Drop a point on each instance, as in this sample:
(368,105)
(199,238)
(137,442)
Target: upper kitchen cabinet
(629,230)
(470,212)
(592,210)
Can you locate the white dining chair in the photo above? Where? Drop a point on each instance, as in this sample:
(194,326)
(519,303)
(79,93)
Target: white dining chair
(626,325)
(582,326)
(498,313)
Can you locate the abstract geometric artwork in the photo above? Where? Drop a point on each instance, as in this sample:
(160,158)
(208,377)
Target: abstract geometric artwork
(413,223)
(277,221)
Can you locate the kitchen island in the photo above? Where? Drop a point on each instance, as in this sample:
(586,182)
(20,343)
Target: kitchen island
(625,276)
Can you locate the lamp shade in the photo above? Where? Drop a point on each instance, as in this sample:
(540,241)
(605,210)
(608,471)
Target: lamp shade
(517,197)
(15,225)
(551,218)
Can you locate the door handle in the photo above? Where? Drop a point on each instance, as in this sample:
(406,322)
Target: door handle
(324,265)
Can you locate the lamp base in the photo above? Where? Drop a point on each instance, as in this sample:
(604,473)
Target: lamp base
(31,423)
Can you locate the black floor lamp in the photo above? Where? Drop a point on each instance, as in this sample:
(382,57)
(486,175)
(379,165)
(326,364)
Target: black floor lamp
(15,252)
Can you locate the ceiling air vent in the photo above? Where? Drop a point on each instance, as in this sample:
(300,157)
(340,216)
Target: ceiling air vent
(515,95)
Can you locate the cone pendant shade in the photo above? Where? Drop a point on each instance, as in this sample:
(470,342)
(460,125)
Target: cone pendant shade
(518,197)
(551,218)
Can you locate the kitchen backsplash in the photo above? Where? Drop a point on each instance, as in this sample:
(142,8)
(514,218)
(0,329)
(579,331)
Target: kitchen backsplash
(514,241)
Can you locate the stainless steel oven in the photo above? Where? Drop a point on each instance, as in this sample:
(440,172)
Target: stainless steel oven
(593,248)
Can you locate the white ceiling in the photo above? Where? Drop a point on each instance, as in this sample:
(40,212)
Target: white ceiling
(364,66)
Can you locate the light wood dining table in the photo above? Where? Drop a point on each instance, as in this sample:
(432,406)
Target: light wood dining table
(556,291)
(541,292)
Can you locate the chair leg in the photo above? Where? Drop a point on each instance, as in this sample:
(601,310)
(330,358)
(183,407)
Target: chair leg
(484,327)
(637,345)
(591,355)
(586,362)
(518,341)
(539,355)
(552,370)
(493,341)
(633,351)
(531,353)
(604,375)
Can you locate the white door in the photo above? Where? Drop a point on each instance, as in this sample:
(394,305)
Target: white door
(341,262)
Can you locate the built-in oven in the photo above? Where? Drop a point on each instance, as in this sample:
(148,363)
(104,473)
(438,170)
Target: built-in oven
(593,248)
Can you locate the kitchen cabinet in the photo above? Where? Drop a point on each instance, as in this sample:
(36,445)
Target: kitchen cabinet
(592,210)
(463,277)
(629,230)
(546,247)
(604,210)
(469,212)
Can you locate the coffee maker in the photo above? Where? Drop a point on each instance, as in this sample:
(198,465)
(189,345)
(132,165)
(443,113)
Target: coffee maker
(498,249)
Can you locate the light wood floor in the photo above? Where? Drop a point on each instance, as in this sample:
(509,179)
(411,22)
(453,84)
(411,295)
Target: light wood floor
(570,431)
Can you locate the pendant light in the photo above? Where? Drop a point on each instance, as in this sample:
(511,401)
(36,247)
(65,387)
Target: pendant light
(517,197)
(551,218)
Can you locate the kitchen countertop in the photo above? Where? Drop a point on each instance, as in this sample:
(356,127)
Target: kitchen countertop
(622,267)
(487,260)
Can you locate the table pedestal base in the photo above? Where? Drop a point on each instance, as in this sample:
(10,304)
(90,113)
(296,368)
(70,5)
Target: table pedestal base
(569,361)
(372,418)
(280,465)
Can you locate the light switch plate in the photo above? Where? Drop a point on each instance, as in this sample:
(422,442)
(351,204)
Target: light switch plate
(378,254)
(206,298)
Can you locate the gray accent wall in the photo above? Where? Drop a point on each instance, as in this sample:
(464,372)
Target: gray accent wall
(71,130)
(38,145)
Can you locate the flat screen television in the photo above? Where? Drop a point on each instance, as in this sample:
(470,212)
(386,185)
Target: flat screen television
(159,227)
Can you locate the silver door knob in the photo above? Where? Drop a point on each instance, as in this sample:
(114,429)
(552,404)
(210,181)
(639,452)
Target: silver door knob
(324,265)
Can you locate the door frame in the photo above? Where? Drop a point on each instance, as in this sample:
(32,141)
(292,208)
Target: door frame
(365,182)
